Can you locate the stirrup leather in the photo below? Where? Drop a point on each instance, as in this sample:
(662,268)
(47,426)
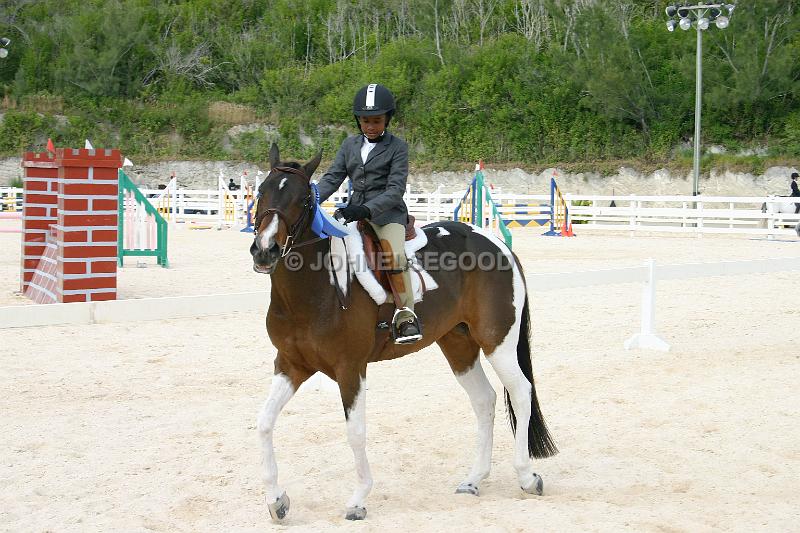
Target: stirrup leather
(408,338)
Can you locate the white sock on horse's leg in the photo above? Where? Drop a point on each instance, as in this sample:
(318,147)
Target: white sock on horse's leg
(519,389)
(504,360)
(281,391)
(483,399)
(357,437)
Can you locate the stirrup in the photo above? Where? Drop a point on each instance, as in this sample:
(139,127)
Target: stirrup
(408,338)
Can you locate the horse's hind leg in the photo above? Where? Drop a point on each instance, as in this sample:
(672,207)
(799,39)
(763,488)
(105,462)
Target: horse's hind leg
(505,359)
(284,384)
(519,390)
(462,352)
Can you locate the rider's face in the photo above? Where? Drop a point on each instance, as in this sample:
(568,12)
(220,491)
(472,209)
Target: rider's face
(372,127)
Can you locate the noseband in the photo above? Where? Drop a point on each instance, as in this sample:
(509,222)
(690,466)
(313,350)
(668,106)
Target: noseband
(302,222)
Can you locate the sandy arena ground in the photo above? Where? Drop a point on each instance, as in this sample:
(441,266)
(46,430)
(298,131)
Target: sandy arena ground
(151,426)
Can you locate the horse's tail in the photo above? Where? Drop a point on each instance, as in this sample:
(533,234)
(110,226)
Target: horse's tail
(540,443)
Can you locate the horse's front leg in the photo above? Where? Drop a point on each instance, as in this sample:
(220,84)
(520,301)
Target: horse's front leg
(353,388)
(281,391)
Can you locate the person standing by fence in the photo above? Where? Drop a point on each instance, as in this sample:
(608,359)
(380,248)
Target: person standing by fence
(795,191)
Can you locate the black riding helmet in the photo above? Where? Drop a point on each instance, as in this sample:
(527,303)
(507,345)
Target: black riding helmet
(372,100)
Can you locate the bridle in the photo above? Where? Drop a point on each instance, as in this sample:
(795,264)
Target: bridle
(302,222)
(300,225)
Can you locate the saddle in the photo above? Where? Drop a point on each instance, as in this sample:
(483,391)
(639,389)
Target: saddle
(373,250)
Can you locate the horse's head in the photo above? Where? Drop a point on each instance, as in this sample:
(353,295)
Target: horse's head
(284,210)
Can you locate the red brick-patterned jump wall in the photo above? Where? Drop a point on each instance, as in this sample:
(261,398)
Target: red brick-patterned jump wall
(39,210)
(83,219)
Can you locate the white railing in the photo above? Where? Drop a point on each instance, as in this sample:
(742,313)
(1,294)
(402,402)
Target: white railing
(686,214)
(677,214)
(436,205)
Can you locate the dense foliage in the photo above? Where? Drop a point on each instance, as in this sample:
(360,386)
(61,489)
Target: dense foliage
(529,81)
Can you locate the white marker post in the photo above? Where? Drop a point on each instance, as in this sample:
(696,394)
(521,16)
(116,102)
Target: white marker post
(647,338)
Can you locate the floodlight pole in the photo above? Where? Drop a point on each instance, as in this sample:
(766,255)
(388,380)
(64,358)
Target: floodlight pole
(698,98)
(699,12)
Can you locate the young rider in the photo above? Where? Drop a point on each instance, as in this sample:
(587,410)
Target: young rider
(377,164)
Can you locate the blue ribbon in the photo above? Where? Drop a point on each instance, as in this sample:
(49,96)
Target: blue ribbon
(323,224)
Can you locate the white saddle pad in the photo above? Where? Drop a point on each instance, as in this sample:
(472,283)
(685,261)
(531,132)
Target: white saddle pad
(358,265)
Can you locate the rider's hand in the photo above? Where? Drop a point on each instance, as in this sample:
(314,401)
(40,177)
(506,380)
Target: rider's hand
(351,213)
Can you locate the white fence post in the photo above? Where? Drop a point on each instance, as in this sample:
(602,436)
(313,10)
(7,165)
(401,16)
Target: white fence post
(647,338)
(174,193)
(731,206)
(221,188)
(684,207)
(770,220)
(435,206)
(633,216)
(699,216)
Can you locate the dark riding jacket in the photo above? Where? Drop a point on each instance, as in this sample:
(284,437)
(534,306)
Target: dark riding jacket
(378,184)
(795,190)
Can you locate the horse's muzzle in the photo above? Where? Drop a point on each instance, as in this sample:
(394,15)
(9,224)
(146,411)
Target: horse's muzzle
(265,261)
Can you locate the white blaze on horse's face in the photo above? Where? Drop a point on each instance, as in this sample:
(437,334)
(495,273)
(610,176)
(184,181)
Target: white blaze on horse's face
(267,237)
(283,182)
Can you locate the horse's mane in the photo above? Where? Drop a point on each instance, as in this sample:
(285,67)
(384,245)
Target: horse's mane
(291,164)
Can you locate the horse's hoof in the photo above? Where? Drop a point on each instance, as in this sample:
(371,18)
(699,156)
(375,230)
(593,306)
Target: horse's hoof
(537,487)
(467,488)
(356,513)
(279,508)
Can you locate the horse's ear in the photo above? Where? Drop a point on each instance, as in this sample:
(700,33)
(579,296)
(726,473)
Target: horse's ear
(312,165)
(274,156)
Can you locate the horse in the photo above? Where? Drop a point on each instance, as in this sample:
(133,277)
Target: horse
(782,207)
(315,329)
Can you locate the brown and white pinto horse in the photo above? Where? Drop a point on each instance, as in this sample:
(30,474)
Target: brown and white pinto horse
(471,310)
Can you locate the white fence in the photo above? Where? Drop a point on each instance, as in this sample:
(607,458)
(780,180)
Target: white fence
(688,214)
(677,214)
